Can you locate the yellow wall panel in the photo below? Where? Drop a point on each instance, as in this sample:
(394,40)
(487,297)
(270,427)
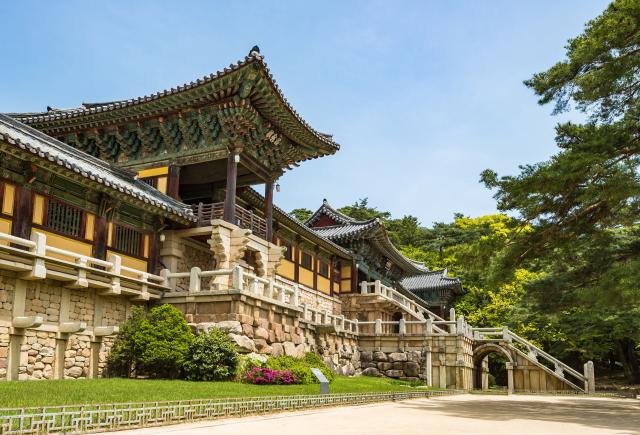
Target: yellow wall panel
(153,172)
(286,269)
(345,272)
(68,244)
(133,263)
(324,285)
(88,230)
(145,253)
(345,285)
(110,234)
(7,199)
(38,209)
(5,228)
(306,277)
(162,184)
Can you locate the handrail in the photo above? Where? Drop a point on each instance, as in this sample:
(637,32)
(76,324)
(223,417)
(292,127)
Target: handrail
(39,254)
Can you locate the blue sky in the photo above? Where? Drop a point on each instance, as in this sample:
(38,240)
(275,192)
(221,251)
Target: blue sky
(422,96)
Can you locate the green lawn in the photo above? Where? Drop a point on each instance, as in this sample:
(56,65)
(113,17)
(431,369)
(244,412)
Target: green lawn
(75,392)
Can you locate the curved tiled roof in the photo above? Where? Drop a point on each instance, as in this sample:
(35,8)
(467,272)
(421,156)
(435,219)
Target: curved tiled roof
(256,199)
(215,86)
(47,148)
(436,279)
(350,228)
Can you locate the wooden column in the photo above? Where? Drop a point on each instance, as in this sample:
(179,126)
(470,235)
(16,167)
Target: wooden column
(154,242)
(296,262)
(268,209)
(332,278)
(22,212)
(354,277)
(100,234)
(316,264)
(173,181)
(230,196)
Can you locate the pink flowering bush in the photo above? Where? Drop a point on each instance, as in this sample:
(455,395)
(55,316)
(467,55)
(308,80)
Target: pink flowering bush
(264,376)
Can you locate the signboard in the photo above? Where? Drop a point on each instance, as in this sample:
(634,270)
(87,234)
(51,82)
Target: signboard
(324,382)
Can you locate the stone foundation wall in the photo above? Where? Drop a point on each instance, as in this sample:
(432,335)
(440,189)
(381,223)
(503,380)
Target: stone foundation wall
(82,306)
(77,357)
(194,255)
(7,287)
(448,358)
(37,355)
(320,301)
(43,299)
(4,351)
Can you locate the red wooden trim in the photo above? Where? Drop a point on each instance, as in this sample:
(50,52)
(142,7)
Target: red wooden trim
(296,264)
(100,235)
(315,272)
(173,181)
(22,212)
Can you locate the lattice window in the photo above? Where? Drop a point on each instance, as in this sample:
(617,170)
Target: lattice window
(323,270)
(128,240)
(64,218)
(306,261)
(151,181)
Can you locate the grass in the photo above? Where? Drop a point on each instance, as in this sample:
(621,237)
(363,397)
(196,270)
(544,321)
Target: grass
(75,392)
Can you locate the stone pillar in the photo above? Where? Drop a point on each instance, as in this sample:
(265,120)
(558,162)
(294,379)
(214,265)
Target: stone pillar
(510,386)
(428,369)
(171,252)
(230,196)
(16,335)
(268,209)
(589,374)
(484,373)
(443,370)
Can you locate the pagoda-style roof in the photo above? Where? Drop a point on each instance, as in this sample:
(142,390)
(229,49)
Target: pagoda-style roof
(432,280)
(257,200)
(240,107)
(342,229)
(32,145)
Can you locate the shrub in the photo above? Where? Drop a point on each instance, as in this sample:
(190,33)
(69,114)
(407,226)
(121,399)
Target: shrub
(301,367)
(249,361)
(124,354)
(265,376)
(163,339)
(212,357)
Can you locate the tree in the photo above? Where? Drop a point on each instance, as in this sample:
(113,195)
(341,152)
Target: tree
(163,339)
(302,214)
(124,353)
(360,210)
(582,204)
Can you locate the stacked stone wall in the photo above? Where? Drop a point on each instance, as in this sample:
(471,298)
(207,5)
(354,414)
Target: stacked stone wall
(37,355)
(4,351)
(43,299)
(194,255)
(320,301)
(115,311)
(7,287)
(77,357)
(82,306)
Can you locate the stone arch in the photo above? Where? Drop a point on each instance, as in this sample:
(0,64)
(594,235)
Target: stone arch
(480,353)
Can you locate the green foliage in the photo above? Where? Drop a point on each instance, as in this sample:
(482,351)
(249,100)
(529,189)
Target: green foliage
(301,367)
(246,362)
(301,214)
(581,206)
(163,339)
(212,357)
(360,210)
(124,353)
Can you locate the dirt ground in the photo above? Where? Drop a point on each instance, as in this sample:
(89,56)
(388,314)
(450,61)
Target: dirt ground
(463,414)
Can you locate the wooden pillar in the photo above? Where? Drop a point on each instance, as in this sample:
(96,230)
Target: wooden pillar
(154,242)
(230,196)
(296,263)
(22,212)
(268,209)
(332,278)
(316,264)
(354,277)
(100,235)
(173,181)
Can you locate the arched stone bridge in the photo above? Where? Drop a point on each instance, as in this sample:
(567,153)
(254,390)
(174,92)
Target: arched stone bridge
(528,367)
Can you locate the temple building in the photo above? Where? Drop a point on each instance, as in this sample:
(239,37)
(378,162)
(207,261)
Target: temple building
(153,200)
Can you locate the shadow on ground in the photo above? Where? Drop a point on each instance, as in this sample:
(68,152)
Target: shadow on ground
(616,414)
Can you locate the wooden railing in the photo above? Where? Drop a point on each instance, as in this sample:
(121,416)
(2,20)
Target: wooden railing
(244,218)
(37,260)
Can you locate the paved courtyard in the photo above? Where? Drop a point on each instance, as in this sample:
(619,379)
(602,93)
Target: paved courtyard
(464,414)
